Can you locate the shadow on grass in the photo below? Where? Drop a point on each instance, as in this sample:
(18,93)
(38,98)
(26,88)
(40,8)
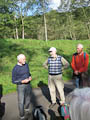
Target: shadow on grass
(1,91)
(59,52)
(2,105)
(11,50)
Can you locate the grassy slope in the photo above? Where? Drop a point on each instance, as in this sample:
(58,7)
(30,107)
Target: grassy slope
(36,52)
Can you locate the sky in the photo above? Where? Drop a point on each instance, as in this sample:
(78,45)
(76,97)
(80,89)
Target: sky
(54,4)
(63,4)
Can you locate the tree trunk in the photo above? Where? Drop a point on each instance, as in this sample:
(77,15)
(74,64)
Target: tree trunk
(16,33)
(22,28)
(45,27)
(72,31)
(87,27)
(16,29)
(88,33)
(70,34)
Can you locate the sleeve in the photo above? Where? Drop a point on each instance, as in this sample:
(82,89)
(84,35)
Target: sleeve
(65,63)
(73,64)
(14,77)
(45,64)
(86,62)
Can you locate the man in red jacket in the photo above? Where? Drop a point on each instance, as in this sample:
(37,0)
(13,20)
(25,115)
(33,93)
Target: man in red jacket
(79,65)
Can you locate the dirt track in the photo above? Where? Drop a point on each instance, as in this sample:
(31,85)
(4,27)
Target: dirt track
(40,96)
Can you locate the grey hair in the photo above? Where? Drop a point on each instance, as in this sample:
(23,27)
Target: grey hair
(20,56)
(79,104)
(80,45)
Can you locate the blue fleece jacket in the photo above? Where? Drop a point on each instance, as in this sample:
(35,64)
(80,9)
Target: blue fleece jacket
(20,73)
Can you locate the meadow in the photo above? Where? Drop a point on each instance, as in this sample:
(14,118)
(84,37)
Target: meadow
(36,52)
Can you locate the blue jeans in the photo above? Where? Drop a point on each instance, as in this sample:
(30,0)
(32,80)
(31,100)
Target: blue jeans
(24,96)
(77,82)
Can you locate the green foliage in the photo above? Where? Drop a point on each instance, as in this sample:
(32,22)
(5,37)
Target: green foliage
(74,25)
(6,19)
(36,52)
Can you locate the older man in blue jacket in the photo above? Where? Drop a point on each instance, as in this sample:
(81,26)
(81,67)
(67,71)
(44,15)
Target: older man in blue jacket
(22,77)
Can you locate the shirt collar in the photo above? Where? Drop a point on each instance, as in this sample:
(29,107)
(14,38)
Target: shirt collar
(54,58)
(19,64)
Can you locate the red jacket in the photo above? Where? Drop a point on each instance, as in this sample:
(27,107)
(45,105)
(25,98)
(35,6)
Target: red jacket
(79,63)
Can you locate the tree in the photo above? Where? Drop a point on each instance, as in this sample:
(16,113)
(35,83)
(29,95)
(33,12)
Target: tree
(83,4)
(22,8)
(16,29)
(6,22)
(42,9)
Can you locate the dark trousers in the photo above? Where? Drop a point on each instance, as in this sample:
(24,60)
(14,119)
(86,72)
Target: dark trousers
(81,80)
(24,96)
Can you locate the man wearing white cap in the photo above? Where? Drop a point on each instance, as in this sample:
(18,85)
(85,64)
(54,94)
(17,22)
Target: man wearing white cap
(55,64)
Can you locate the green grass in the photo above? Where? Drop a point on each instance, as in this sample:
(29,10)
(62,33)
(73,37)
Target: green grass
(36,52)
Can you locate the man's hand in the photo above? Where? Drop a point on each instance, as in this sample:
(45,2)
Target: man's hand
(25,81)
(30,78)
(76,72)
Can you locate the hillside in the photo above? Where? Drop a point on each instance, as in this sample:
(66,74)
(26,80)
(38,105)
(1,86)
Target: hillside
(36,52)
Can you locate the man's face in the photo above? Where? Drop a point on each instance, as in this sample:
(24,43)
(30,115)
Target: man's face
(52,53)
(22,60)
(79,49)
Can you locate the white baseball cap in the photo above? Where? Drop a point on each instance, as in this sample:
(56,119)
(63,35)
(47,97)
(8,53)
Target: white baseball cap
(52,49)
